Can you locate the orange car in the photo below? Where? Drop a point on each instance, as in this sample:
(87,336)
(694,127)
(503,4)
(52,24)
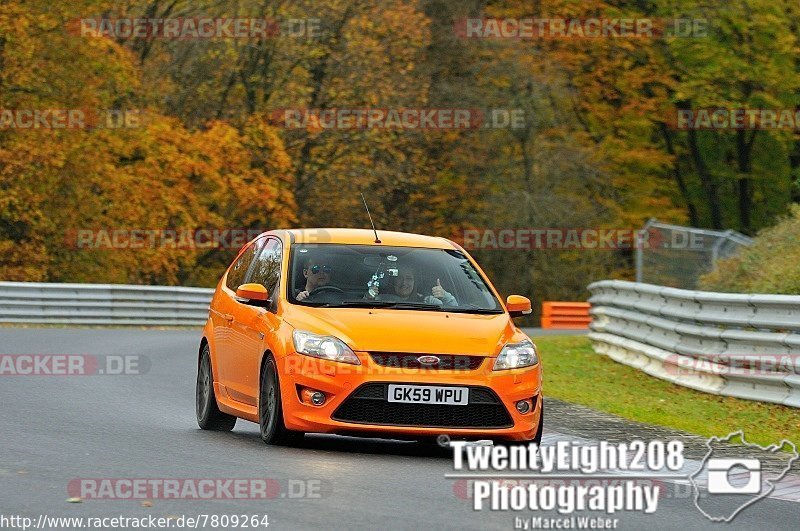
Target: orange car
(355,332)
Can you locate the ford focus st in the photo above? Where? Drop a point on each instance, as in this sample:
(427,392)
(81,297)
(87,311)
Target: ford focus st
(354,332)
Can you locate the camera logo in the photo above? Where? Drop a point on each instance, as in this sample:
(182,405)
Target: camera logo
(735,474)
(720,476)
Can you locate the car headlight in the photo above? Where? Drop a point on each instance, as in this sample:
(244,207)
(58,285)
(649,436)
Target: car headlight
(324,347)
(516,355)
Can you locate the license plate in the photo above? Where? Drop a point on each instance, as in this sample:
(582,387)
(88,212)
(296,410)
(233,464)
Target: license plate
(429,394)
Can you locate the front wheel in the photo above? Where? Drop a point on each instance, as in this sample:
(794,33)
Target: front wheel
(270,408)
(209,417)
(538,438)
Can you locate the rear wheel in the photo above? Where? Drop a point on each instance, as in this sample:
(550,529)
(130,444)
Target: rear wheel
(209,417)
(270,408)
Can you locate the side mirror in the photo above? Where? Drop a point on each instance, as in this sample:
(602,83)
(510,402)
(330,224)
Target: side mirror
(518,305)
(253,295)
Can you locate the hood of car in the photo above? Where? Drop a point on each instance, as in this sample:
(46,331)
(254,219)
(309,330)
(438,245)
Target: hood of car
(389,330)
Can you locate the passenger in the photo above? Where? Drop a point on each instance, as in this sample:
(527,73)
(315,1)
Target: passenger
(404,291)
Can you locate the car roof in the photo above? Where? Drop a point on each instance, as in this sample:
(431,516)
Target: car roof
(367,237)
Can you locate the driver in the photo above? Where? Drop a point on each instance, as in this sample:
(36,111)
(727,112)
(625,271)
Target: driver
(404,290)
(317,275)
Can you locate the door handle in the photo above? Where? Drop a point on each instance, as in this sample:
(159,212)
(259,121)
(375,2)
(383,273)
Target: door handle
(228,317)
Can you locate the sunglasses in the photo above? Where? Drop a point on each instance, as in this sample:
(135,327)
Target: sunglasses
(317,268)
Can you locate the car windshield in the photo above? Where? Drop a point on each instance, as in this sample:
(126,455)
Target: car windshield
(401,278)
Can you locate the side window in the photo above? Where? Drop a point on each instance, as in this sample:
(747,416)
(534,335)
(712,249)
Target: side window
(239,269)
(267,268)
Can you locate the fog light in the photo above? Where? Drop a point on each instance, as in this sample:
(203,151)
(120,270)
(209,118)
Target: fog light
(311,396)
(318,398)
(523,406)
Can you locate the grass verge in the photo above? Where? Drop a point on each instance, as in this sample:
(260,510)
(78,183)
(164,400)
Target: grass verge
(573,372)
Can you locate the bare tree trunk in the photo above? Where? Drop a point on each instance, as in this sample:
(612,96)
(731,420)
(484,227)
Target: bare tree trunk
(744,148)
(694,219)
(710,185)
(794,179)
(319,73)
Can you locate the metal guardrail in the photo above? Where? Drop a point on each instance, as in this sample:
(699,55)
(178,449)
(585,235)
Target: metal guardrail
(746,346)
(103,304)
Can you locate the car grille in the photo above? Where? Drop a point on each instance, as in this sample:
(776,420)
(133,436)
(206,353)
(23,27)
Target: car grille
(369,405)
(447,362)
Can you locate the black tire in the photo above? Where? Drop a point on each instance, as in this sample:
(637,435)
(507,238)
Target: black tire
(270,408)
(538,438)
(209,417)
(430,440)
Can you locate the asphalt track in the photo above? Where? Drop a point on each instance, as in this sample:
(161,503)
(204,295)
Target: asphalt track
(59,428)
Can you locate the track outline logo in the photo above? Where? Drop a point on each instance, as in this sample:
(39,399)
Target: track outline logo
(771,482)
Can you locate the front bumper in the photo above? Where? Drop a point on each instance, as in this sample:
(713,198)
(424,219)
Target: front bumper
(344,388)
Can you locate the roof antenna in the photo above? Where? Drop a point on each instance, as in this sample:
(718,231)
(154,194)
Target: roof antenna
(377,240)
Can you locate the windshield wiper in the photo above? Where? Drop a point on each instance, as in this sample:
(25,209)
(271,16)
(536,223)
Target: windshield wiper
(400,305)
(361,303)
(415,306)
(473,310)
(397,305)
